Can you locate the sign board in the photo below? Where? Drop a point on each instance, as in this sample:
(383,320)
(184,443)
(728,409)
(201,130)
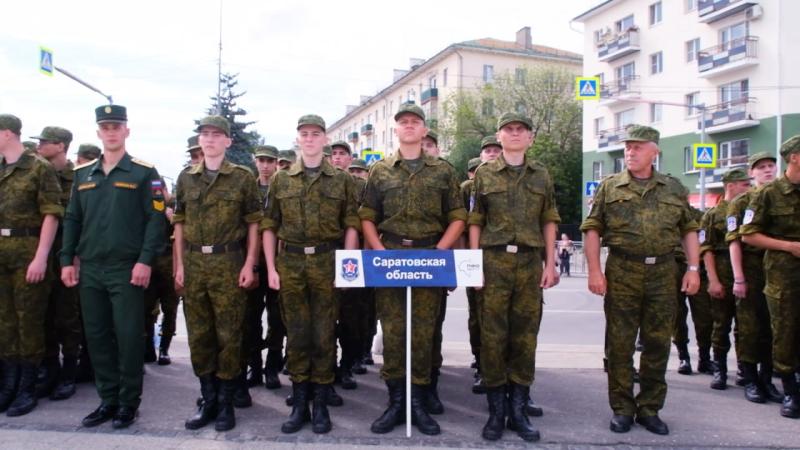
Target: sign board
(46,61)
(704,155)
(587,88)
(409,268)
(372,156)
(591,187)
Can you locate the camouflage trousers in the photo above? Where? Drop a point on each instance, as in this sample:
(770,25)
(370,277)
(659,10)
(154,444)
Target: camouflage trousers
(214,307)
(160,294)
(700,305)
(436,356)
(723,310)
(639,299)
(473,321)
(783,297)
(511,311)
(63,331)
(22,313)
(309,307)
(752,315)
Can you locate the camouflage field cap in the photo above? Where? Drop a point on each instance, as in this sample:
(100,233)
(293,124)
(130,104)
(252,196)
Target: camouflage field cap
(343,145)
(735,175)
(287,155)
(111,113)
(54,134)
(473,164)
(792,145)
(641,133)
(218,122)
(266,151)
(311,119)
(358,164)
(29,145)
(11,123)
(756,157)
(489,141)
(511,117)
(89,151)
(192,144)
(434,136)
(410,108)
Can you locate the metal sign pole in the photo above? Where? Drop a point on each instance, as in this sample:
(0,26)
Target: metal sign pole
(85,84)
(408,361)
(703,169)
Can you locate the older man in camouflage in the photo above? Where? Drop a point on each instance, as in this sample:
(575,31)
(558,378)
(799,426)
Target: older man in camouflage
(641,215)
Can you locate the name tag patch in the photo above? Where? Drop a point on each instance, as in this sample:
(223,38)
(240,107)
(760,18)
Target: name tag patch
(84,186)
(124,185)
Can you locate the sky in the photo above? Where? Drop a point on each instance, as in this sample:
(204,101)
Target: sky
(159,59)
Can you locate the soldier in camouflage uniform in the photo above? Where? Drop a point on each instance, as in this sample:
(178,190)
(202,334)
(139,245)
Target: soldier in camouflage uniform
(87,153)
(752,313)
(771,222)
(194,151)
(311,208)
(29,212)
(513,218)
(716,257)
(286,158)
(411,201)
(641,215)
(217,209)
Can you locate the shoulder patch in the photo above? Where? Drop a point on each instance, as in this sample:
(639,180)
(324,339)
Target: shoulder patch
(142,163)
(86,164)
(748,216)
(731,223)
(701,236)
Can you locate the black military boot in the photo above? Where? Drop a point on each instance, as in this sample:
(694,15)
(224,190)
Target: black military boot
(226,417)
(47,377)
(320,419)
(272,366)
(241,396)
(300,413)
(517,420)
(685,363)
(346,375)
(163,351)
(208,409)
(752,389)
(431,402)
(478,386)
(367,360)
(532,409)
(419,416)
(791,397)
(149,346)
(720,380)
(496,397)
(358,365)
(705,365)
(8,384)
(66,383)
(25,400)
(395,413)
(741,379)
(334,399)
(771,393)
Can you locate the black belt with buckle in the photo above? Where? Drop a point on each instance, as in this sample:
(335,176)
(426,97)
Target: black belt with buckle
(19,232)
(301,250)
(215,249)
(644,259)
(411,243)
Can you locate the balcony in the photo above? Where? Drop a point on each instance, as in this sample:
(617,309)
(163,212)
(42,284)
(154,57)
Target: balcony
(725,58)
(429,95)
(353,137)
(714,176)
(729,116)
(618,45)
(709,11)
(611,139)
(366,130)
(619,91)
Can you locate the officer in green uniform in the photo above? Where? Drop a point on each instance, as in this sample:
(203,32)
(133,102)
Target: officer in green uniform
(311,208)
(514,220)
(63,331)
(87,153)
(641,215)
(752,312)
(771,222)
(716,257)
(29,212)
(114,226)
(411,200)
(217,208)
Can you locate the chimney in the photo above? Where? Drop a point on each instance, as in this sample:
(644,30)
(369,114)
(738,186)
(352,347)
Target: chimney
(524,38)
(413,63)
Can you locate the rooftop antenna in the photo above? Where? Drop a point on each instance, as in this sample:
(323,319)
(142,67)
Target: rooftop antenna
(219,63)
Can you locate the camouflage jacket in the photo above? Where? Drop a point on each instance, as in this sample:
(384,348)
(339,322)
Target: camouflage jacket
(713,228)
(65,178)
(774,210)
(736,209)
(29,190)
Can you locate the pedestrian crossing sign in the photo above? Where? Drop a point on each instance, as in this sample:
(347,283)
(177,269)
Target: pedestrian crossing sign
(46,61)
(704,155)
(587,88)
(371,156)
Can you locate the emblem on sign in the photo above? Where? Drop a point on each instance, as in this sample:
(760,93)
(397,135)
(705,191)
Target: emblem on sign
(349,269)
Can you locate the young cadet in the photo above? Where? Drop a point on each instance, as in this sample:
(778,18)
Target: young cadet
(311,209)
(411,200)
(514,220)
(217,208)
(29,211)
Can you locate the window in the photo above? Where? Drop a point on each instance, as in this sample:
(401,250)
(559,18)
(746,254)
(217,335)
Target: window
(655,112)
(599,125)
(655,13)
(692,49)
(692,99)
(623,24)
(733,92)
(656,63)
(383,137)
(488,73)
(444,77)
(732,153)
(519,75)
(624,118)
(432,82)
(619,164)
(383,116)
(690,5)
(733,36)
(626,72)
(598,36)
(602,77)
(688,161)
(597,170)
(657,162)
(487,109)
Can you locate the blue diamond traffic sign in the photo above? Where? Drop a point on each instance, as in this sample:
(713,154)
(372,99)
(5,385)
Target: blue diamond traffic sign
(704,155)
(46,61)
(587,88)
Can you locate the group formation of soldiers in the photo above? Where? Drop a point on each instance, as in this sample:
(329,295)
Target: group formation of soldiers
(233,244)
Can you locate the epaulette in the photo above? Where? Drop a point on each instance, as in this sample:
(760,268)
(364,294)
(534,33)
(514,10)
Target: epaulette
(142,163)
(86,164)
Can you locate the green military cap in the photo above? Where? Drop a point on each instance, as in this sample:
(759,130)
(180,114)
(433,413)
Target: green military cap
(266,151)
(792,145)
(473,164)
(642,133)
(756,157)
(216,122)
(434,136)
(11,123)
(511,117)
(342,144)
(287,155)
(735,175)
(311,119)
(327,150)
(55,134)
(111,113)
(489,141)
(358,164)
(192,144)
(89,151)
(29,145)
(410,108)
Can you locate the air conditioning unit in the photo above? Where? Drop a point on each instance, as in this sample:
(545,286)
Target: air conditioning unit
(754,12)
